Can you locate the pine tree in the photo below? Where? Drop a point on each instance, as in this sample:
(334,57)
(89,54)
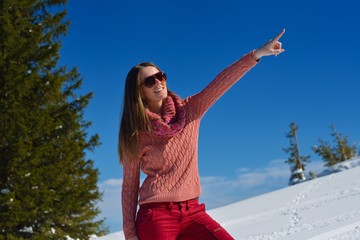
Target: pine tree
(325,151)
(48,188)
(312,175)
(296,161)
(342,151)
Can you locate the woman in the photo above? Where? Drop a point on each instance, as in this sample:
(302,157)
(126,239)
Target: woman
(159,135)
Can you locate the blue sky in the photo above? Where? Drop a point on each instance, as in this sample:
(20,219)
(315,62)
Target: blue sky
(314,83)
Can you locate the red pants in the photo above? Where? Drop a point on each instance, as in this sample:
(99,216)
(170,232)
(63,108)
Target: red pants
(178,221)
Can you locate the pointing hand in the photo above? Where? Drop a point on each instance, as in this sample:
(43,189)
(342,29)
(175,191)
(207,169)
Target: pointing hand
(273,47)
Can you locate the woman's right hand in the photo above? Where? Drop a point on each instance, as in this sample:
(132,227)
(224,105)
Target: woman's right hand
(273,47)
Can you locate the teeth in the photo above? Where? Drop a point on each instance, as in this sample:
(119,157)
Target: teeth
(158,90)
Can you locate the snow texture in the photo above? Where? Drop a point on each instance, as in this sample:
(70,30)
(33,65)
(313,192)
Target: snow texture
(326,208)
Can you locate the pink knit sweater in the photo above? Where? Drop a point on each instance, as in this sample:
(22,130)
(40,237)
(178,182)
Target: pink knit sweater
(171,164)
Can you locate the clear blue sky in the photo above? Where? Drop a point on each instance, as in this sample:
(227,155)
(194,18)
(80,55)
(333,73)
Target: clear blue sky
(314,83)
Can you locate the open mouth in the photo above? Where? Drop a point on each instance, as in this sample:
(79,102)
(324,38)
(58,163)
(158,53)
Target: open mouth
(159,90)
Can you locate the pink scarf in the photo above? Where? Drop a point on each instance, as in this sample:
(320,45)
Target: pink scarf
(173,117)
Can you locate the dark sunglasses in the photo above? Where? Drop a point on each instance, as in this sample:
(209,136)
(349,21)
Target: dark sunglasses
(150,81)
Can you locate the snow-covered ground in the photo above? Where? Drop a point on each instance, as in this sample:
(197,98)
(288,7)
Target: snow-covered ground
(324,208)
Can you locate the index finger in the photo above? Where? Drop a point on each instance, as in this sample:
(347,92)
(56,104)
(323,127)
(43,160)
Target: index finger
(279,35)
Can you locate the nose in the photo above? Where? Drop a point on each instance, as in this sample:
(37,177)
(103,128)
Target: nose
(161,80)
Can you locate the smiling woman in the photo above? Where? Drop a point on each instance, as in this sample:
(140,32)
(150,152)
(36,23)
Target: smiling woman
(153,87)
(159,135)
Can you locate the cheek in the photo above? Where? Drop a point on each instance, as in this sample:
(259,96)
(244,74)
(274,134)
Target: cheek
(145,93)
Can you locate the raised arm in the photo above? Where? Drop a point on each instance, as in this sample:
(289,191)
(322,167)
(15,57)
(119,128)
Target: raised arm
(202,101)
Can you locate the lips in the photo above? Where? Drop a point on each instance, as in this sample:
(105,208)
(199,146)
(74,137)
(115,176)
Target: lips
(159,90)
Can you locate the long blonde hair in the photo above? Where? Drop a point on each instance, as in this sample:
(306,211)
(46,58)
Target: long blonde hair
(134,118)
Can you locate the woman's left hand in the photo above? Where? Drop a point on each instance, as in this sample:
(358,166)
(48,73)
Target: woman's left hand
(273,47)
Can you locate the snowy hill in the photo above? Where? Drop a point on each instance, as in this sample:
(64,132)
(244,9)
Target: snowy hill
(323,208)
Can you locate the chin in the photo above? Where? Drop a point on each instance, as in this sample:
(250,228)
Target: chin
(165,94)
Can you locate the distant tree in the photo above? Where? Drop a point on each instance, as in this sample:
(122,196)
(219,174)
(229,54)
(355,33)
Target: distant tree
(325,151)
(342,151)
(48,189)
(312,175)
(296,161)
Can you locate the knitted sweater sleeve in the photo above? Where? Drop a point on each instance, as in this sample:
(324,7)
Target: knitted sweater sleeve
(129,196)
(203,100)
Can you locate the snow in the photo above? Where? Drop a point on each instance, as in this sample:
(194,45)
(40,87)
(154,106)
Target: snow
(351,163)
(320,209)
